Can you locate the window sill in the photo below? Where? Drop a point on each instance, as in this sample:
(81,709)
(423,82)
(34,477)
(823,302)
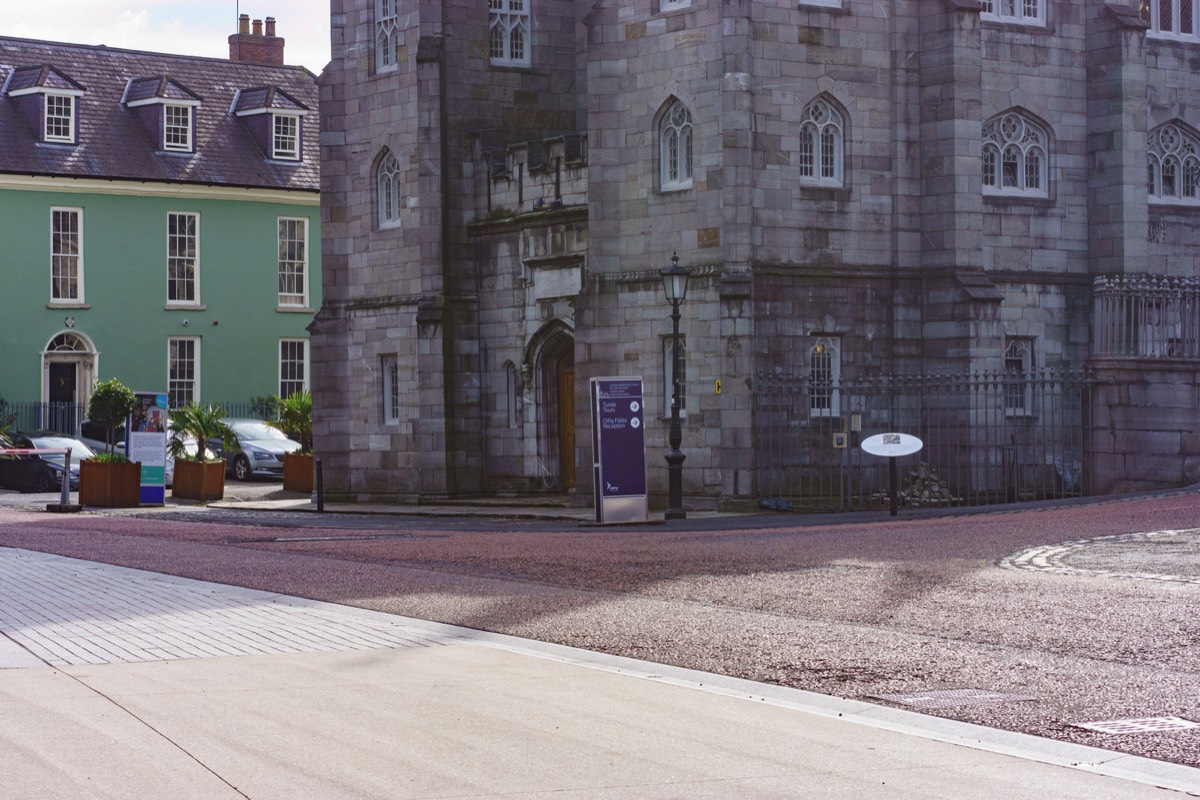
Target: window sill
(295,310)
(67,304)
(185,307)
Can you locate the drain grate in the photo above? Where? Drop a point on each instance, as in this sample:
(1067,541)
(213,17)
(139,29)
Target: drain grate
(945,698)
(1146,725)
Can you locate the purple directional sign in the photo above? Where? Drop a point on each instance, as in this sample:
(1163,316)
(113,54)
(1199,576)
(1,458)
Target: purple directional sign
(618,417)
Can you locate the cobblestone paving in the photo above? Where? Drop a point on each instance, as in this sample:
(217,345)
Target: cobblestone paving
(67,612)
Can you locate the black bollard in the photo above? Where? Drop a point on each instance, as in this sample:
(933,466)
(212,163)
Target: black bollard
(320,488)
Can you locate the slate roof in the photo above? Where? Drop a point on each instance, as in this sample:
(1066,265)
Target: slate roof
(112,142)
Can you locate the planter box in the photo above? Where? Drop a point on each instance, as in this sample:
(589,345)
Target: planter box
(198,480)
(298,473)
(110,483)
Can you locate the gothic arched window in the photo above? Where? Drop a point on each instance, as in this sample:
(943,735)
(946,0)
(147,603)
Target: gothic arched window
(675,148)
(387,180)
(1173,165)
(1015,156)
(821,145)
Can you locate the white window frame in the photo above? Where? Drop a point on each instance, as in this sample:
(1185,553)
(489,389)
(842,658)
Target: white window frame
(1018,12)
(387,183)
(177,381)
(1018,393)
(66,263)
(178,259)
(387,36)
(289,366)
(1010,141)
(1173,165)
(293,266)
(285,144)
(177,133)
(1180,11)
(390,385)
(669,375)
(825,377)
(822,145)
(675,134)
(509,29)
(56,122)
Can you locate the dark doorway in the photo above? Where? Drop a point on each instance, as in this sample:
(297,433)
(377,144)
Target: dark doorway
(61,414)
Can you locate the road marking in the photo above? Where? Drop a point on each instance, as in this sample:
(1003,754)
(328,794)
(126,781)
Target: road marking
(1055,557)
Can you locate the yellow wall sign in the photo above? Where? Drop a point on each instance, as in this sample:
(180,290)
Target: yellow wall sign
(718,386)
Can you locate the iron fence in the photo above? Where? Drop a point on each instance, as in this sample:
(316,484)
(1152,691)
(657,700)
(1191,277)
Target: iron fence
(68,418)
(1150,316)
(988,438)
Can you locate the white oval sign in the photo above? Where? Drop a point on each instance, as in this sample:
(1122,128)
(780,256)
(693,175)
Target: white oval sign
(892,444)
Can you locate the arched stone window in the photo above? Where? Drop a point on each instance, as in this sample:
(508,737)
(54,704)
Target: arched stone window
(1173,165)
(675,148)
(822,134)
(508,37)
(825,375)
(1015,156)
(387,181)
(387,35)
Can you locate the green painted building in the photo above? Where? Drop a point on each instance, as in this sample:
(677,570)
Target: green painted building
(160,222)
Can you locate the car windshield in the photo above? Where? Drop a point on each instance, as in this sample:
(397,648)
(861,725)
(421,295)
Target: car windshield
(256,431)
(79,450)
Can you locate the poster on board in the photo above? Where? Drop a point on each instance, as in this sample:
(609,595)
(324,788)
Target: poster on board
(146,441)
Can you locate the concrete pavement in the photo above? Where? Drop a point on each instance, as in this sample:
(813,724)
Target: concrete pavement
(121,683)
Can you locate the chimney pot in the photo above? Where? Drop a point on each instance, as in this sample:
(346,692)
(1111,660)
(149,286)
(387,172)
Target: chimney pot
(257,27)
(270,26)
(244,23)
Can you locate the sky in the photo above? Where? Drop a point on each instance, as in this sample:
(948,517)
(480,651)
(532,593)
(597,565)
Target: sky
(186,27)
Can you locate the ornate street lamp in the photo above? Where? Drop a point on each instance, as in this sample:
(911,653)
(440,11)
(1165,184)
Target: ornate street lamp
(675,281)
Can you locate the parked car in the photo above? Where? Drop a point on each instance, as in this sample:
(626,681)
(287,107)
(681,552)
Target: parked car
(262,449)
(41,472)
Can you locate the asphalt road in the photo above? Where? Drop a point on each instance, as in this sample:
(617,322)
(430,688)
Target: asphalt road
(1056,616)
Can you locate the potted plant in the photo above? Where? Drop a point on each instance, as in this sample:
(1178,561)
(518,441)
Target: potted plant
(199,474)
(109,478)
(295,420)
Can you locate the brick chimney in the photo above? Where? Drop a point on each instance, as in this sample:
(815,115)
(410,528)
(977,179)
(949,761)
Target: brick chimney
(256,47)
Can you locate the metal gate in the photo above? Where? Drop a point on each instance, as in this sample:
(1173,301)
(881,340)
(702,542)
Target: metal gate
(988,438)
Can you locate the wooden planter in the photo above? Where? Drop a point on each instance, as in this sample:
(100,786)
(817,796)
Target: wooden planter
(198,480)
(298,473)
(112,484)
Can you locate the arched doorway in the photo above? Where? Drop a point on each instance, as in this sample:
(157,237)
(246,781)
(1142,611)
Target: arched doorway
(553,357)
(68,371)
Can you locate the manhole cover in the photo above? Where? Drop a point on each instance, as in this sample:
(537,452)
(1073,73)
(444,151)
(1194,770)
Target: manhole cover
(1147,725)
(944,698)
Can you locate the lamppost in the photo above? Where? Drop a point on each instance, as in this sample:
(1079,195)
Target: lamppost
(675,281)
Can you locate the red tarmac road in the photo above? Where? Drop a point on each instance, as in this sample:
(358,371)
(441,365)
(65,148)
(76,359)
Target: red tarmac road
(857,609)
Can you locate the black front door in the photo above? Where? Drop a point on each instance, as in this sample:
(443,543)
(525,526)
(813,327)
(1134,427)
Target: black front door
(61,414)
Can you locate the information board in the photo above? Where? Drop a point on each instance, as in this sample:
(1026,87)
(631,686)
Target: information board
(146,441)
(619,448)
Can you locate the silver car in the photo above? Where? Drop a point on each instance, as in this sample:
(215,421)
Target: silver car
(262,449)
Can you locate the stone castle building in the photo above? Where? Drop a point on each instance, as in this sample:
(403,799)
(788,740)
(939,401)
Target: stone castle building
(974,221)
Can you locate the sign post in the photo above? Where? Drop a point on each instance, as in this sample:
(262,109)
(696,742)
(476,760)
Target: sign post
(892,446)
(146,441)
(618,450)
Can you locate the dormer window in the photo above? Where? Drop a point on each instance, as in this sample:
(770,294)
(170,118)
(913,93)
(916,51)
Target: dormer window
(273,119)
(60,118)
(167,110)
(286,141)
(47,100)
(177,128)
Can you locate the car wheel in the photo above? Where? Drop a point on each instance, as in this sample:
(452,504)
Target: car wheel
(241,468)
